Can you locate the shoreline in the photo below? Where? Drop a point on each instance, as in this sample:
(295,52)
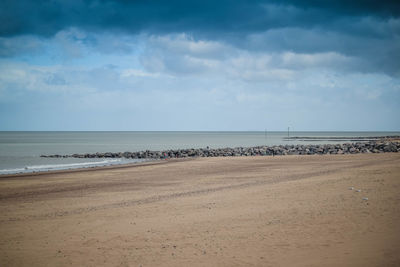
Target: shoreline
(21,154)
(89,169)
(388,144)
(154,163)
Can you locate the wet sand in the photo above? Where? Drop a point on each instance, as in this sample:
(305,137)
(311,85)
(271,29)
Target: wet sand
(241,211)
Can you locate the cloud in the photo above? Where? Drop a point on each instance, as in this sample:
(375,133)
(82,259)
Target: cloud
(181,54)
(358,7)
(68,44)
(186,44)
(172,54)
(49,17)
(19,45)
(373,53)
(203,30)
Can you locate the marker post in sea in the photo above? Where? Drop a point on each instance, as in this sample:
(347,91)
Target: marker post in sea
(265,134)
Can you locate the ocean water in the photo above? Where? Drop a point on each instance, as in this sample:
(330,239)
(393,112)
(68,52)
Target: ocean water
(20,151)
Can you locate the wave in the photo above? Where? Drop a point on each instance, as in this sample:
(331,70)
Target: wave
(50,167)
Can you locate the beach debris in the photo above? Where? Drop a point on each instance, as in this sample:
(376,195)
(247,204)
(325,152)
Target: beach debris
(351,188)
(358,190)
(365,198)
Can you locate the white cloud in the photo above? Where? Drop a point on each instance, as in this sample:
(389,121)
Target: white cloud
(181,55)
(136,73)
(187,45)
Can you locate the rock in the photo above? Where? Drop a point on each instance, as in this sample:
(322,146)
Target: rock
(389,148)
(127,154)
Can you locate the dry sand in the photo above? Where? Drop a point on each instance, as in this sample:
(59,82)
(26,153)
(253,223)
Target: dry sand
(247,211)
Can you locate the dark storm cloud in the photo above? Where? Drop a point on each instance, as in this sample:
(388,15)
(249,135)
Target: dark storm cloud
(204,17)
(368,30)
(357,7)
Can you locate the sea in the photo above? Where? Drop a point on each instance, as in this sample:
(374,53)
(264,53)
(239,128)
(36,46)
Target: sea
(20,151)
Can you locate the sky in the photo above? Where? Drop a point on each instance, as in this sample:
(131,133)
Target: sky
(89,65)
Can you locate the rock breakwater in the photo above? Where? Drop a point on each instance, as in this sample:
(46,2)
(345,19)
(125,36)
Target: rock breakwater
(342,138)
(309,149)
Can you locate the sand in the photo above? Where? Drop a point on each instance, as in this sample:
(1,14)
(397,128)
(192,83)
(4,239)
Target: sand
(244,211)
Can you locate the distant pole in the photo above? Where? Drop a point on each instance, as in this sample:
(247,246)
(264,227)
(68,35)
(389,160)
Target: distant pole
(288,132)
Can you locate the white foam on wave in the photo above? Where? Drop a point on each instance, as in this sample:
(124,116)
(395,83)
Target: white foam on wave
(49,167)
(17,170)
(69,165)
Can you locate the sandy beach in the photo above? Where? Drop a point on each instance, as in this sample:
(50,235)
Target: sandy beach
(237,211)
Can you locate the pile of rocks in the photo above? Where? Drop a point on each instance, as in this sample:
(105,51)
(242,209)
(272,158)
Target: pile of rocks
(348,148)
